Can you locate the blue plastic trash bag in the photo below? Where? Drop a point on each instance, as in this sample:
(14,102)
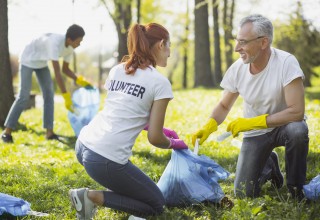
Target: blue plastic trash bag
(312,190)
(14,206)
(190,179)
(86,104)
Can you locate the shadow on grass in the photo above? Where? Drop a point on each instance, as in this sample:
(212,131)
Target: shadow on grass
(312,165)
(153,157)
(23,127)
(70,141)
(7,216)
(66,140)
(224,161)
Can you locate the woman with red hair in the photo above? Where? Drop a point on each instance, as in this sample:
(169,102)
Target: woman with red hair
(137,99)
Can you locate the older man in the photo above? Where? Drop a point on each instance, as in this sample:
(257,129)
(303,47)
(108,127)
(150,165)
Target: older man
(270,82)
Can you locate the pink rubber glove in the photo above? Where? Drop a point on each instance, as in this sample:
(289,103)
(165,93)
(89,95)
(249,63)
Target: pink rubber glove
(177,144)
(170,133)
(167,132)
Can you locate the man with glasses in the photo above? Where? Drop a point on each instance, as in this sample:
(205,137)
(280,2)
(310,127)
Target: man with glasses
(270,82)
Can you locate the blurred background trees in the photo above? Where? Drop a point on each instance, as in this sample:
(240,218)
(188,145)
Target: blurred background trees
(300,38)
(202,44)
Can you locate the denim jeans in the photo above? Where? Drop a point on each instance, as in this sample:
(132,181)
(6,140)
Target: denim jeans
(46,85)
(129,189)
(255,153)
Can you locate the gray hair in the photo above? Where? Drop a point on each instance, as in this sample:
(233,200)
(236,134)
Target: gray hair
(262,26)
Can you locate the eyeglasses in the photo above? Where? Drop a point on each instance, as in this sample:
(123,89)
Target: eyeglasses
(245,42)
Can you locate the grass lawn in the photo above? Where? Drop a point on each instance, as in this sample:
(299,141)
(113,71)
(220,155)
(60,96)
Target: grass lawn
(41,172)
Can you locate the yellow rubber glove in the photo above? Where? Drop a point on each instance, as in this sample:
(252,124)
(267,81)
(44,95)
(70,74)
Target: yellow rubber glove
(67,101)
(247,124)
(204,133)
(81,81)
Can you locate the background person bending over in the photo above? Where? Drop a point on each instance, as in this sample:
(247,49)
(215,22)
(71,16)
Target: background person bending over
(137,99)
(270,82)
(35,57)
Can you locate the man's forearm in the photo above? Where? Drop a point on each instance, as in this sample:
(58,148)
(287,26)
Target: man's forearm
(284,117)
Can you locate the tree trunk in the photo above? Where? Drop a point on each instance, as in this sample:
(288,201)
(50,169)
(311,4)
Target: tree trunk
(217,50)
(138,11)
(203,76)
(228,12)
(122,21)
(185,50)
(121,17)
(6,88)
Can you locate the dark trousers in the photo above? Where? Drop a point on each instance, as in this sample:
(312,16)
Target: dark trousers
(130,189)
(254,159)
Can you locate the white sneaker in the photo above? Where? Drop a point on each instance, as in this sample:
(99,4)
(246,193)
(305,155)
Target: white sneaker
(132,217)
(84,206)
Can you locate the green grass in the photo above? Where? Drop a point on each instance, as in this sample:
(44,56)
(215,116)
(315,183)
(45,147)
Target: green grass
(41,172)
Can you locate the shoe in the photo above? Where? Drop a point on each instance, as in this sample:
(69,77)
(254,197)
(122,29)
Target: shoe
(132,217)
(296,193)
(84,206)
(53,137)
(7,138)
(276,175)
(225,202)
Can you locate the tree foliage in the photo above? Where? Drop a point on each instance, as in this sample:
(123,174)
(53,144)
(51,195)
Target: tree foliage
(150,11)
(302,40)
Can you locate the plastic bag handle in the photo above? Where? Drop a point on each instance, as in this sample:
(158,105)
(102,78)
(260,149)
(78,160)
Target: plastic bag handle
(196,147)
(224,136)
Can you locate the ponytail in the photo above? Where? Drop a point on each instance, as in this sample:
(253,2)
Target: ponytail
(141,39)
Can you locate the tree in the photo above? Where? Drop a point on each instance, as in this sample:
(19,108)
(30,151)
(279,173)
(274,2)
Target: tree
(185,48)
(217,50)
(228,11)
(138,11)
(203,76)
(122,17)
(302,40)
(6,88)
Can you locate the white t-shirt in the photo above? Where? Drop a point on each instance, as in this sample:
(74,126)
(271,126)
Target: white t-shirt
(113,131)
(47,47)
(263,93)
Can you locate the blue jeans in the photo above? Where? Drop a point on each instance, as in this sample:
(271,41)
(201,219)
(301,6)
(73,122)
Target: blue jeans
(255,152)
(131,190)
(46,85)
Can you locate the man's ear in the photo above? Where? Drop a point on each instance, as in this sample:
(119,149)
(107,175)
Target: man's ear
(265,42)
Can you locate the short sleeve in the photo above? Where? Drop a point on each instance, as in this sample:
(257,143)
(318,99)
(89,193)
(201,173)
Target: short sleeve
(67,58)
(163,90)
(291,70)
(53,50)
(230,78)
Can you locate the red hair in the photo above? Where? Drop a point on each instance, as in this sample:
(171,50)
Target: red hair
(141,39)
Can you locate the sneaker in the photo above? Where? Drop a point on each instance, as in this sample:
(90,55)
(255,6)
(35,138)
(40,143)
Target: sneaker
(53,137)
(84,206)
(7,138)
(276,175)
(132,217)
(225,202)
(296,193)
